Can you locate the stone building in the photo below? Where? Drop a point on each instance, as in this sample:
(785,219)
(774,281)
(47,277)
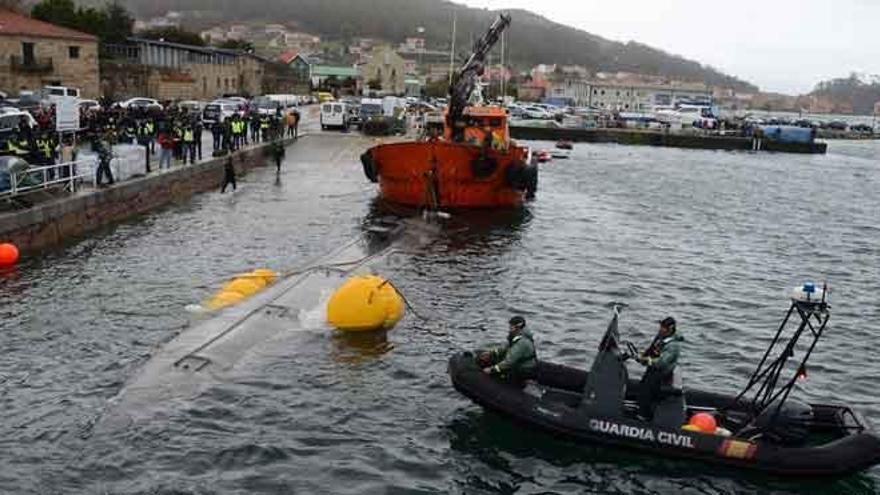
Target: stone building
(387,69)
(34,54)
(172,71)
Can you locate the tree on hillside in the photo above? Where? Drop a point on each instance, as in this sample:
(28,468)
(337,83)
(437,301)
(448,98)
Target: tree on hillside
(245,46)
(60,12)
(119,24)
(111,23)
(173,35)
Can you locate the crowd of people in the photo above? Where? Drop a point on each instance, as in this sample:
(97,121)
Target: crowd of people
(177,132)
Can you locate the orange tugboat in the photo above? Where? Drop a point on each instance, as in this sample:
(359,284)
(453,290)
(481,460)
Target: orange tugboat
(472,164)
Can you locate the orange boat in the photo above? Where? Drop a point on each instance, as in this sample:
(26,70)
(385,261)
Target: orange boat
(472,163)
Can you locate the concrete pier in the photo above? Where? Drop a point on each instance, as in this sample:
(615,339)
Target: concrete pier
(50,223)
(655,138)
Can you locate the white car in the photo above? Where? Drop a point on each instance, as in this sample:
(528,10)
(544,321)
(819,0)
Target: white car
(11,117)
(89,105)
(145,103)
(536,113)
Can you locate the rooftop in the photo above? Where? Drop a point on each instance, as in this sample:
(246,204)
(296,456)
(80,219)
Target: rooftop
(13,24)
(330,70)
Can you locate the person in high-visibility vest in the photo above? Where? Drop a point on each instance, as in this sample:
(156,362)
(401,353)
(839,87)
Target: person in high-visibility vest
(189,145)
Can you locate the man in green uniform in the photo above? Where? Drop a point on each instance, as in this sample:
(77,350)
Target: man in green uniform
(660,359)
(516,362)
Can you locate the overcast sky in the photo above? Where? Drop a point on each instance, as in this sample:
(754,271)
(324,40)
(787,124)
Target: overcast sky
(781,45)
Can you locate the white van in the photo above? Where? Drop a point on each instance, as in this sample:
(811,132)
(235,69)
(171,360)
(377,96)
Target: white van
(334,114)
(55,93)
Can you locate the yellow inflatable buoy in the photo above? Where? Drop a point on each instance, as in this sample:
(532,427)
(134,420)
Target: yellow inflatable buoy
(240,288)
(364,303)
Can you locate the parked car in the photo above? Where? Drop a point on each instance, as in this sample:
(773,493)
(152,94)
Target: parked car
(53,93)
(219,111)
(143,103)
(536,113)
(89,105)
(265,105)
(11,118)
(334,114)
(191,107)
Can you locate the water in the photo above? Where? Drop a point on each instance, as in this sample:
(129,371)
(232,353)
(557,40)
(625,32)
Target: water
(713,238)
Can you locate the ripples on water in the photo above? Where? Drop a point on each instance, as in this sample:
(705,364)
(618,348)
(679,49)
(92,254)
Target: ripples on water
(714,238)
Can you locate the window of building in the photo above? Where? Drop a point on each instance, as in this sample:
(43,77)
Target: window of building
(603,92)
(27,53)
(73,51)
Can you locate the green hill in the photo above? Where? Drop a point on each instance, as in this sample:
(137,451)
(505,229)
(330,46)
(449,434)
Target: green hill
(532,39)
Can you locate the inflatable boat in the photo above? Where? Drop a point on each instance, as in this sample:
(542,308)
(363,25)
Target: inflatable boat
(762,428)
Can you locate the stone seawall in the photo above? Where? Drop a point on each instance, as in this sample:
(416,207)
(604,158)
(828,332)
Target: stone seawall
(50,223)
(655,138)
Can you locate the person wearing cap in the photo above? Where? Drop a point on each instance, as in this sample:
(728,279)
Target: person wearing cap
(660,359)
(516,362)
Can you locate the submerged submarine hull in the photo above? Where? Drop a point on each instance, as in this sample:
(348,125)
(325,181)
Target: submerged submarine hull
(554,408)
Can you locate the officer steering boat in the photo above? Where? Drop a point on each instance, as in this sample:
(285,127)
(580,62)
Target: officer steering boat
(761,428)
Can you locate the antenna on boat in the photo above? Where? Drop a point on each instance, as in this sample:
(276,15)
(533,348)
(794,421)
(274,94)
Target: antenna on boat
(763,397)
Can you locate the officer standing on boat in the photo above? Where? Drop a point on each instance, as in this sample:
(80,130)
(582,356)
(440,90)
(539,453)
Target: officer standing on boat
(660,358)
(516,362)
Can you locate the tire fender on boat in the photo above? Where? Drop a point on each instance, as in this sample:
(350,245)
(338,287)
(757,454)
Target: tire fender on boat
(483,166)
(371,168)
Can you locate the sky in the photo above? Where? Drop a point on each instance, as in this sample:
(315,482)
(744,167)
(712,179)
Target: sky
(784,46)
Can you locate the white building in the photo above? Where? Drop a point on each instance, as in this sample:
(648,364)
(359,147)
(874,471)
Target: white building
(627,97)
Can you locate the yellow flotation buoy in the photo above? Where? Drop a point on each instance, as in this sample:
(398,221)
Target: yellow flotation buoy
(240,288)
(364,303)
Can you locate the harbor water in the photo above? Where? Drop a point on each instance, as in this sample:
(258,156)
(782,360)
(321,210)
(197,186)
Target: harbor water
(715,239)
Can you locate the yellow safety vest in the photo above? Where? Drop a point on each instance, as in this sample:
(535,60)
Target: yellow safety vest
(188,136)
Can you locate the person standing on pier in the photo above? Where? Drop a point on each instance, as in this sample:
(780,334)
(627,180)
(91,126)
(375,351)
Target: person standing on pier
(217,134)
(166,149)
(197,133)
(228,175)
(189,145)
(105,154)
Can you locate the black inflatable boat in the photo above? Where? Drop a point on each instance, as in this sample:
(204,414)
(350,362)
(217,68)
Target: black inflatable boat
(761,428)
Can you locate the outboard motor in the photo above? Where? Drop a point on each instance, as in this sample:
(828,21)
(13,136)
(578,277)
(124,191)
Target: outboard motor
(789,426)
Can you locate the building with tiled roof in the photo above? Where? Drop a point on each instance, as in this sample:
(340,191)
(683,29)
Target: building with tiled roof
(34,54)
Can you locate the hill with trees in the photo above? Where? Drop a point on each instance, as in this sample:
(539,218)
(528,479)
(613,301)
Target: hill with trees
(854,94)
(531,40)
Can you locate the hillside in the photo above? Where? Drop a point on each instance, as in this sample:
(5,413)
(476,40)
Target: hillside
(532,39)
(854,94)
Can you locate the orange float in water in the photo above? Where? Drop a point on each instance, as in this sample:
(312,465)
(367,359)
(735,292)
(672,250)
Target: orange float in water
(704,421)
(8,254)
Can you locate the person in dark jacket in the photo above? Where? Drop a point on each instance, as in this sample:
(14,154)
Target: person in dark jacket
(660,359)
(516,362)
(105,154)
(277,153)
(228,175)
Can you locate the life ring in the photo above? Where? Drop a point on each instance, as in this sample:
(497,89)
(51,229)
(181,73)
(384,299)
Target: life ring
(483,166)
(371,168)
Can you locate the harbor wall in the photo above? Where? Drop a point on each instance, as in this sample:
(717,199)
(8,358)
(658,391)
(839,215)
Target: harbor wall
(50,223)
(654,138)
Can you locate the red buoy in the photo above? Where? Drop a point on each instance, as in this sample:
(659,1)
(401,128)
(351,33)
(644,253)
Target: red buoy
(704,421)
(8,254)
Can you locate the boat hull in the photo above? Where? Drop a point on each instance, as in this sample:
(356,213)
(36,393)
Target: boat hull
(444,174)
(852,452)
